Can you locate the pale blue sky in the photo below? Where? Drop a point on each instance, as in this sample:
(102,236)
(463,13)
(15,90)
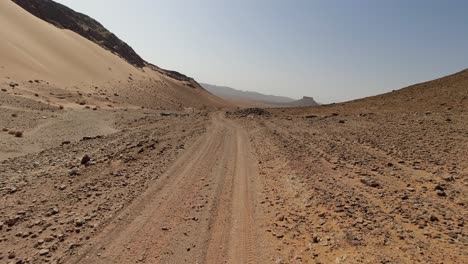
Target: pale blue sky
(331,50)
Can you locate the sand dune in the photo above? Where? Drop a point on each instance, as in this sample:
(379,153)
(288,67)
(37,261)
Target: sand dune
(51,78)
(32,48)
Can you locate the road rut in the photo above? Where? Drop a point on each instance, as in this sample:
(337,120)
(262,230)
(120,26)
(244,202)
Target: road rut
(202,210)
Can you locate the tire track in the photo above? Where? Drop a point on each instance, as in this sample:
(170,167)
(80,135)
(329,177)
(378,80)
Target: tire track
(201,210)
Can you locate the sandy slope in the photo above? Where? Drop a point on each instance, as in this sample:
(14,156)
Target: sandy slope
(50,79)
(33,49)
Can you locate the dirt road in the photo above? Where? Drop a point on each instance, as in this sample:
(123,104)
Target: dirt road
(202,210)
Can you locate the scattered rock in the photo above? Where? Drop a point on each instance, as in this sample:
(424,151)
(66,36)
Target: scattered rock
(440,191)
(12,190)
(11,255)
(249,112)
(85,160)
(79,222)
(43,252)
(315,239)
(12,221)
(370,182)
(72,173)
(448,177)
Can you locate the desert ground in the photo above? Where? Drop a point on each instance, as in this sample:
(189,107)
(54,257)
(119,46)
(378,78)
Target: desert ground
(360,182)
(105,162)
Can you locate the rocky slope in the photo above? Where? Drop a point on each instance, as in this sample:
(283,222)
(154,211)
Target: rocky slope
(378,180)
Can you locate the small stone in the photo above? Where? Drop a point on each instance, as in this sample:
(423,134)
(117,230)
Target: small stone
(370,182)
(12,221)
(53,211)
(18,134)
(85,159)
(315,239)
(79,222)
(12,190)
(43,252)
(72,173)
(448,178)
(279,236)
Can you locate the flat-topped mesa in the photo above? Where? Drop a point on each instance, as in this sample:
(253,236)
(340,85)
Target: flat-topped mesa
(305,101)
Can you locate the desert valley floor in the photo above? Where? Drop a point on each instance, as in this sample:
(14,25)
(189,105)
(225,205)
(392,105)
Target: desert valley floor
(106,158)
(361,182)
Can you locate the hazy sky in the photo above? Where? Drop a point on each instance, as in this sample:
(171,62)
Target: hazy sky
(331,50)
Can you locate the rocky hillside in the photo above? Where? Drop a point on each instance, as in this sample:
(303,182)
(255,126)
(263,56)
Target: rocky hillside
(442,93)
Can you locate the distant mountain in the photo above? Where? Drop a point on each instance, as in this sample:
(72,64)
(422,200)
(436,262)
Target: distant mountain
(232,94)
